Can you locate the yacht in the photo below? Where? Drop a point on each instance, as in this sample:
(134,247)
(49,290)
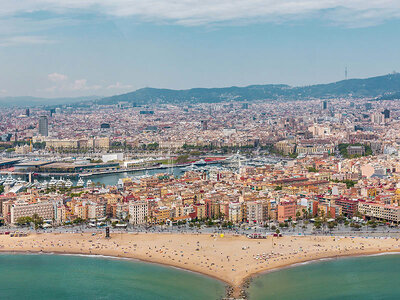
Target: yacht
(9,181)
(44,184)
(19,181)
(89,183)
(52,182)
(60,183)
(192,167)
(200,162)
(80,183)
(68,183)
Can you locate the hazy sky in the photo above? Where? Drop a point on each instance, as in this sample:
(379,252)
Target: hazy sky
(57,48)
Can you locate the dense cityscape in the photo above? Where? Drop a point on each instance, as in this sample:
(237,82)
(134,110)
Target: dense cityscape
(241,163)
(202,150)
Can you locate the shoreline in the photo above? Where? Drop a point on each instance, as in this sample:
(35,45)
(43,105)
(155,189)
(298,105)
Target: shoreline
(243,286)
(235,264)
(226,284)
(110,257)
(317,260)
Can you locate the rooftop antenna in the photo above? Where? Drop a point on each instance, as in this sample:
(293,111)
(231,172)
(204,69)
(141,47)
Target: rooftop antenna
(345,73)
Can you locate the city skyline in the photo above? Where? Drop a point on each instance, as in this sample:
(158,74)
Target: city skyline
(70,49)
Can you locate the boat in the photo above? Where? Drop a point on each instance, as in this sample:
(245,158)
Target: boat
(19,181)
(52,182)
(200,162)
(192,167)
(60,183)
(89,183)
(9,181)
(68,183)
(80,183)
(44,184)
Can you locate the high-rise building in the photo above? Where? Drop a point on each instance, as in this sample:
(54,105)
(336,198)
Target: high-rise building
(324,105)
(204,125)
(44,126)
(386,113)
(27,112)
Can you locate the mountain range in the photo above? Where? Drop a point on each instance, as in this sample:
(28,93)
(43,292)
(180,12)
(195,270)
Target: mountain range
(386,87)
(382,87)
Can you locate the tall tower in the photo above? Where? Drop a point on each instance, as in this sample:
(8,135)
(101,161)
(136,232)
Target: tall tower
(44,126)
(204,124)
(345,73)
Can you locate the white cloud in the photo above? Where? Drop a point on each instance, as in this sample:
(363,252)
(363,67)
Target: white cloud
(61,83)
(119,86)
(57,77)
(81,85)
(3,91)
(200,12)
(23,40)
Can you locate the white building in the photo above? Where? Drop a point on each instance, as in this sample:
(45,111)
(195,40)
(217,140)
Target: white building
(21,208)
(112,157)
(138,212)
(235,212)
(96,210)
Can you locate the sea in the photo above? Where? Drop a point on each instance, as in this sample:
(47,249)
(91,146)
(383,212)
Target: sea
(49,277)
(112,178)
(366,278)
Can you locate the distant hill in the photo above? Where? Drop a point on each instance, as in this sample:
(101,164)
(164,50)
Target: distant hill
(385,87)
(370,87)
(35,101)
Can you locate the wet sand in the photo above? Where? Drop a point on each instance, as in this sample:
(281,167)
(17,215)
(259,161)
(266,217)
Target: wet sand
(232,259)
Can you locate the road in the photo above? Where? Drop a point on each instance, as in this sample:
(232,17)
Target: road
(341,230)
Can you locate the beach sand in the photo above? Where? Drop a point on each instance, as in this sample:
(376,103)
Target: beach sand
(231,259)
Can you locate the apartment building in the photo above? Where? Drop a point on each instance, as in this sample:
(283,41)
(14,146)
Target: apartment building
(380,211)
(21,208)
(138,212)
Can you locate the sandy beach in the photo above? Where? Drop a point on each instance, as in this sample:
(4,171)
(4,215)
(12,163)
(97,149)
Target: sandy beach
(231,259)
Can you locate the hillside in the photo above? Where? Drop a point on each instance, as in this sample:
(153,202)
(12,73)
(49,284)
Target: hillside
(370,87)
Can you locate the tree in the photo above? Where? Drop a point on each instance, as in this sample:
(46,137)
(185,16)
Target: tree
(23,221)
(331,225)
(38,221)
(1,189)
(317,224)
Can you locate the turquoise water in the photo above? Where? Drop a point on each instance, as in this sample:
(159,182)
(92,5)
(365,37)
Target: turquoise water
(72,277)
(373,277)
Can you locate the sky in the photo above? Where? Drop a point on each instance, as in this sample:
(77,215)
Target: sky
(70,48)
